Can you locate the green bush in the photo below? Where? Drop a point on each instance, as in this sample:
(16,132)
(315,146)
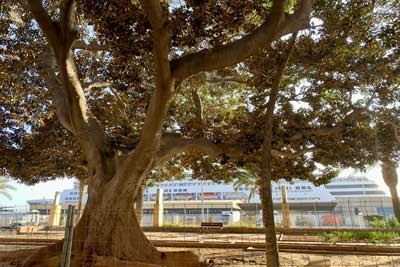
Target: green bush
(371,237)
(391,223)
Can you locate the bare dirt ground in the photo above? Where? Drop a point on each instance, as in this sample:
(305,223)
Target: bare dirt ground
(236,258)
(12,255)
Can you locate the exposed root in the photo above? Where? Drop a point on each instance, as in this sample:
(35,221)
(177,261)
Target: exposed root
(182,259)
(44,254)
(50,257)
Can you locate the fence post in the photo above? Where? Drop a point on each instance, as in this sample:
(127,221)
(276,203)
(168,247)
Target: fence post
(69,227)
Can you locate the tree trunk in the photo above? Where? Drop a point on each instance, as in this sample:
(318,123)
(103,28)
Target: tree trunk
(271,245)
(139,204)
(109,229)
(391,180)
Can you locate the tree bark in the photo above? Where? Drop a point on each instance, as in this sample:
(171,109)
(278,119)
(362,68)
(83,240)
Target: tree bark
(391,180)
(139,204)
(82,191)
(109,227)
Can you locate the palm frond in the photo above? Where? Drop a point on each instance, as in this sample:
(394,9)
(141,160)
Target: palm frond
(6,194)
(5,187)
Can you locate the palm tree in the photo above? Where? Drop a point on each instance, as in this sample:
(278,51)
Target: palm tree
(5,187)
(247,178)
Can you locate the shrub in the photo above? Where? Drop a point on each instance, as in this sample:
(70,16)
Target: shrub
(371,237)
(391,223)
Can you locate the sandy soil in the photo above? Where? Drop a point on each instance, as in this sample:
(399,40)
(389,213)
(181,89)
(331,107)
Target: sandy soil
(236,258)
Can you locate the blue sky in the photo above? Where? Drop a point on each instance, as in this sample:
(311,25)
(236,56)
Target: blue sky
(38,191)
(47,190)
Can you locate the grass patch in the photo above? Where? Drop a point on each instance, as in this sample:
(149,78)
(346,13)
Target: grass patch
(370,237)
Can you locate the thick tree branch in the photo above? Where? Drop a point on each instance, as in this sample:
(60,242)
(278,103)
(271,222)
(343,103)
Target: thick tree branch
(92,85)
(172,145)
(275,26)
(54,86)
(198,107)
(50,28)
(81,122)
(157,110)
(161,39)
(139,161)
(68,23)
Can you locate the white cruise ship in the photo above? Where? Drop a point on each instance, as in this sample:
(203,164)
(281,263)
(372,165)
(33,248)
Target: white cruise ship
(354,187)
(298,191)
(192,189)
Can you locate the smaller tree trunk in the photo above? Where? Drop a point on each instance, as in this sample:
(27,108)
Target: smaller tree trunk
(391,180)
(271,245)
(139,204)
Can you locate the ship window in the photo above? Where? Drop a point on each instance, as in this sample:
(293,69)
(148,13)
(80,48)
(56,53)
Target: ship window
(298,187)
(303,187)
(184,190)
(341,186)
(347,193)
(71,193)
(371,185)
(175,190)
(374,192)
(308,187)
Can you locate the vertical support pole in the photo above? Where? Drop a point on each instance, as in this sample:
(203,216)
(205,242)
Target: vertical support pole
(350,213)
(202,200)
(55,211)
(285,208)
(69,227)
(158,214)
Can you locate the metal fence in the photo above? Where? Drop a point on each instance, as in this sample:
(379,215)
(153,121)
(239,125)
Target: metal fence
(239,243)
(343,214)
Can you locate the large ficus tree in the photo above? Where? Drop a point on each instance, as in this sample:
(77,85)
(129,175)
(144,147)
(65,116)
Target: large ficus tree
(147,50)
